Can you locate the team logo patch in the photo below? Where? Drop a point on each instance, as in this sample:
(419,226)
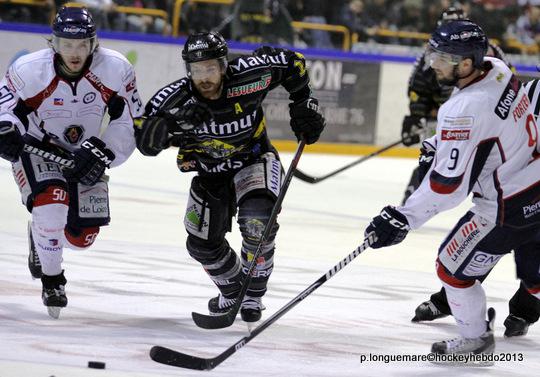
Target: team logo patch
(73,134)
(456,135)
(458,122)
(481,263)
(531,210)
(252,87)
(130,86)
(89,97)
(58,102)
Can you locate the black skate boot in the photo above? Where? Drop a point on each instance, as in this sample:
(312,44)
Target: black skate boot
(251,309)
(34,265)
(220,304)
(54,294)
(515,326)
(427,311)
(484,344)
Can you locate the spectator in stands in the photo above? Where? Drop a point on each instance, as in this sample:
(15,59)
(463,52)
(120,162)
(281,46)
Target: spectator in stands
(142,23)
(357,19)
(526,30)
(100,10)
(31,13)
(262,21)
(315,11)
(201,16)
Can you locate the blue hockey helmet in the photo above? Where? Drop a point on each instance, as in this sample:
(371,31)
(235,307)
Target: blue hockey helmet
(74,23)
(461,39)
(74,32)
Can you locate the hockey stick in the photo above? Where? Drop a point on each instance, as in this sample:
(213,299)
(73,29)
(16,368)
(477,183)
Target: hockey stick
(225,320)
(65,162)
(310,179)
(170,357)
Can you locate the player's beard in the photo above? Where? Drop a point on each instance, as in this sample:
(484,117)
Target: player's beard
(445,80)
(73,67)
(209,89)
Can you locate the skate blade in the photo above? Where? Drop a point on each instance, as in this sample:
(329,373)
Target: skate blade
(54,311)
(252,325)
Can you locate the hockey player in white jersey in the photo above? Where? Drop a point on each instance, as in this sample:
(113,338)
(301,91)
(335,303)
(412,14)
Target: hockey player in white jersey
(485,143)
(55,100)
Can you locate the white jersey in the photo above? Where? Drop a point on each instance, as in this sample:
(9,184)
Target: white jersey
(52,109)
(485,143)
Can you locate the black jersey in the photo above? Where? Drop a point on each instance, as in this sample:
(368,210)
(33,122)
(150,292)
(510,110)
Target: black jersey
(237,133)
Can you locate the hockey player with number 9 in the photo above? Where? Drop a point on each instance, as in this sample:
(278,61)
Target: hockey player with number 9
(55,100)
(485,143)
(214,116)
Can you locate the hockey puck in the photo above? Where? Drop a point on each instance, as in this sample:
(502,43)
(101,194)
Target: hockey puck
(96,364)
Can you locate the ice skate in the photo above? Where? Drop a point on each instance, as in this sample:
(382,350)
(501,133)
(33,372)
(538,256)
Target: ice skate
(427,311)
(220,304)
(515,326)
(251,309)
(34,264)
(54,294)
(484,344)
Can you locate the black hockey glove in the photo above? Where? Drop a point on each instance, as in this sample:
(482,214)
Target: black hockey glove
(90,160)
(11,141)
(427,154)
(410,130)
(390,227)
(307,120)
(152,136)
(187,117)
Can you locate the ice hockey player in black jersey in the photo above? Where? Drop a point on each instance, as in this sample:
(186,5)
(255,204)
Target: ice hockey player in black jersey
(214,116)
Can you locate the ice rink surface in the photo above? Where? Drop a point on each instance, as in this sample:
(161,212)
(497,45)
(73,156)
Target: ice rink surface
(137,286)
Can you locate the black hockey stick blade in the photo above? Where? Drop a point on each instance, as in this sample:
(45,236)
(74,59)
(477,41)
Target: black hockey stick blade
(304,177)
(310,179)
(170,357)
(174,358)
(213,322)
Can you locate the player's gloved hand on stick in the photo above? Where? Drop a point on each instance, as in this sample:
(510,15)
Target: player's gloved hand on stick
(11,141)
(187,117)
(427,154)
(390,227)
(410,130)
(90,160)
(307,120)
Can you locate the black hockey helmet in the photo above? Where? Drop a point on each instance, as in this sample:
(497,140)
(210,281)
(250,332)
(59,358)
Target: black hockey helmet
(451,14)
(204,46)
(74,23)
(460,38)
